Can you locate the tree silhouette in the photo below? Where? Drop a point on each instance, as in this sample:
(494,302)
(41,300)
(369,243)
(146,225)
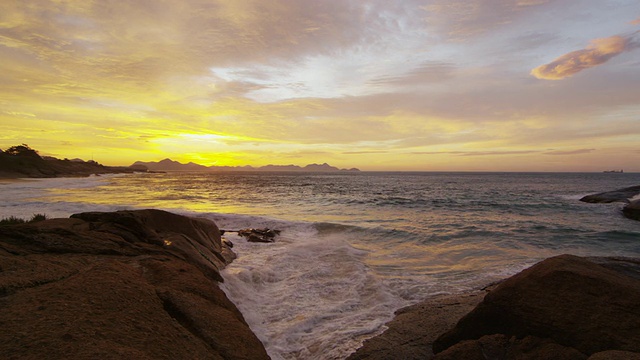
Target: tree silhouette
(23,151)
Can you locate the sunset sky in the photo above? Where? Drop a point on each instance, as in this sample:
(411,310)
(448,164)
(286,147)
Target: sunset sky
(430,85)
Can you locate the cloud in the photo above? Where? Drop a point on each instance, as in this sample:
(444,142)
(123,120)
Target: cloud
(570,152)
(431,72)
(635,22)
(597,53)
(460,20)
(477,153)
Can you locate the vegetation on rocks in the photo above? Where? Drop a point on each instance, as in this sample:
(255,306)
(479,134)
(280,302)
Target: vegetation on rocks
(12,220)
(21,161)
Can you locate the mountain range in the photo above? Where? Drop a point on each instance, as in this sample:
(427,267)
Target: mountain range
(171,165)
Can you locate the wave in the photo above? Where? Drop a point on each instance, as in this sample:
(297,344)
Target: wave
(309,295)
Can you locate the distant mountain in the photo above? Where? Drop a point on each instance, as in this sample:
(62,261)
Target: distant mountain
(170,165)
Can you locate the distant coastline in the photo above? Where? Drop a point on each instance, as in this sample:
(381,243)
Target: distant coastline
(171,165)
(21,161)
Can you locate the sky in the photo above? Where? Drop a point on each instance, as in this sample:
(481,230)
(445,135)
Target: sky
(415,85)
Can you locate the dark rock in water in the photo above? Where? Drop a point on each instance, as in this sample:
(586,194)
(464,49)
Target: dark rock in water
(632,210)
(259,235)
(569,300)
(124,285)
(620,195)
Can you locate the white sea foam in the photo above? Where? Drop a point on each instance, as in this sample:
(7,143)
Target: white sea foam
(307,295)
(352,250)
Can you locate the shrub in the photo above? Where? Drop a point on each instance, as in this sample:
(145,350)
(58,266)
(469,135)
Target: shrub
(11,220)
(38,217)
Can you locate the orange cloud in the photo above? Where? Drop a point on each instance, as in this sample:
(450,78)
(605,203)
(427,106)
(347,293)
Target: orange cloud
(597,53)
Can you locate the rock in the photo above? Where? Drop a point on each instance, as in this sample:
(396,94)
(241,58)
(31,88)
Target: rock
(500,346)
(632,210)
(130,284)
(620,195)
(411,333)
(259,235)
(615,355)
(569,300)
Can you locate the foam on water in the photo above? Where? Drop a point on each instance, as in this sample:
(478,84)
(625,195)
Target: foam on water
(321,288)
(309,295)
(356,247)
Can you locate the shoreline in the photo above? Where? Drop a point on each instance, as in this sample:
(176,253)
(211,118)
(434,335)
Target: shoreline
(402,312)
(414,328)
(126,273)
(471,325)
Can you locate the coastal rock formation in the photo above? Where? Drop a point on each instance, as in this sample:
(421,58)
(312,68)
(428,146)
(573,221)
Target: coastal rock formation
(129,284)
(561,305)
(565,307)
(23,162)
(411,333)
(632,210)
(259,235)
(620,195)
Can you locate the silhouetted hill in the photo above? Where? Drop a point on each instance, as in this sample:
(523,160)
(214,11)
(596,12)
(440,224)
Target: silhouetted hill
(22,161)
(170,165)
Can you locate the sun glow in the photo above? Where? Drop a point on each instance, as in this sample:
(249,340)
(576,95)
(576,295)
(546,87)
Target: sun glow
(397,86)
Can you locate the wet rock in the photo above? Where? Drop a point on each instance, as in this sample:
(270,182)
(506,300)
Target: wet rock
(569,300)
(620,195)
(259,235)
(411,333)
(632,210)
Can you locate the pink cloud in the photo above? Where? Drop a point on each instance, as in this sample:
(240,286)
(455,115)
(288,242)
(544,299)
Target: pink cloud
(597,53)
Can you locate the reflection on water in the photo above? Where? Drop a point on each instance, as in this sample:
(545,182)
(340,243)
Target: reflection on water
(357,246)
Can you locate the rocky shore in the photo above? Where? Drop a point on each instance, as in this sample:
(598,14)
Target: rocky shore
(144,284)
(122,285)
(632,208)
(565,307)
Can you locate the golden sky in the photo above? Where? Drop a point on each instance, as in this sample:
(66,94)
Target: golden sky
(431,85)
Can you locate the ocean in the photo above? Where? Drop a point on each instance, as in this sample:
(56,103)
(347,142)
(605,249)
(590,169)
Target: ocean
(355,247)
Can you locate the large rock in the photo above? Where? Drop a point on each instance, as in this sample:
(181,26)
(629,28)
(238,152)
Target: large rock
(499,346)
(411,333)
(620,195)
(573,302)
(632,210)
(123,285)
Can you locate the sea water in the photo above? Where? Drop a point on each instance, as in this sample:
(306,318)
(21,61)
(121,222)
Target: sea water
(355,247)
